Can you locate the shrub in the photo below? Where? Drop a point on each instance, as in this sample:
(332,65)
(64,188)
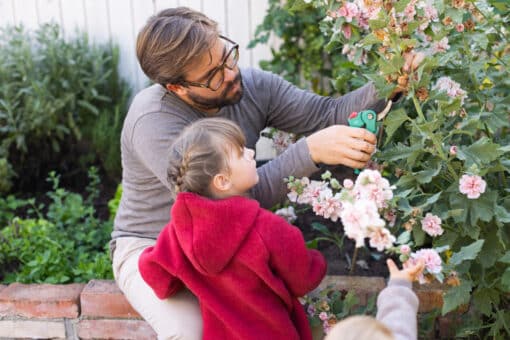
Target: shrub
(61,106)
(63,242)
(446,143)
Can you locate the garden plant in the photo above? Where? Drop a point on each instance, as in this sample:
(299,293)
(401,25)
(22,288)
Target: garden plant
(438,187)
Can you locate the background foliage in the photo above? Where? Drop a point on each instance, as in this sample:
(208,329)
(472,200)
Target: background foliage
(435,134)
(62,104)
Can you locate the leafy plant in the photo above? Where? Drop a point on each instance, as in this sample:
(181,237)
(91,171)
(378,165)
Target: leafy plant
(64,242)
(446,142)
(61,104)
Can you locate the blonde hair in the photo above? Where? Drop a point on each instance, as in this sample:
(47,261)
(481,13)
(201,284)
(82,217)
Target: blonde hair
(200,152)
(171,41)
(360,327)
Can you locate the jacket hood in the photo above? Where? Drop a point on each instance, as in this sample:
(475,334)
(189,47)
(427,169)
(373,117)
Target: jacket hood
(211,232)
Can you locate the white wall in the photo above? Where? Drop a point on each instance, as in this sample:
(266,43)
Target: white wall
(120,21)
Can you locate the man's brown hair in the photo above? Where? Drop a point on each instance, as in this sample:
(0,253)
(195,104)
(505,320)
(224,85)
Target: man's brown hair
(171,41)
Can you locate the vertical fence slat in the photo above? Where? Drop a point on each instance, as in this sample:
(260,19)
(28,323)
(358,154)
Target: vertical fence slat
(215,9)
(238,28)
(26,13)
(162,4)
(6,13)
(142,10)
(49,11)
(73,18)
(96,14)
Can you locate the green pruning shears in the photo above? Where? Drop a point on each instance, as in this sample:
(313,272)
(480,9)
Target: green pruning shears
(368,119)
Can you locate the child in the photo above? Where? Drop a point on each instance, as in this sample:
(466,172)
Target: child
(397,306)
(246,265)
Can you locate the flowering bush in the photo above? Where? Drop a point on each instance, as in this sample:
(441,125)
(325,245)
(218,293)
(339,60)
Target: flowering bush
(445,147)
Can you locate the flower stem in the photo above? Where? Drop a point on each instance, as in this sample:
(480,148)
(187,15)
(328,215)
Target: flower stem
(436,142)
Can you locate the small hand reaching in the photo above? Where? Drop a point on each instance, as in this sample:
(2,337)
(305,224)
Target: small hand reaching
(410,273)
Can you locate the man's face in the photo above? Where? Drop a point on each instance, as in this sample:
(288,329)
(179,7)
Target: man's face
(211,64)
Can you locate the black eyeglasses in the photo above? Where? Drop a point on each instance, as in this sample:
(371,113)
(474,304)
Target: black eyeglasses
(217,76)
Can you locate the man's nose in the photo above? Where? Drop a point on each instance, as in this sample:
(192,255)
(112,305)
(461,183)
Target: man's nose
(230,75)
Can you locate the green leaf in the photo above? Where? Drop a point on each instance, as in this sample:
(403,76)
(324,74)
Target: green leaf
(394,120)
(505,258)
(482,152)
(404,238)
(505,280)
(426,176)
(467,253)
(456,296)
(401,5)
(418,235)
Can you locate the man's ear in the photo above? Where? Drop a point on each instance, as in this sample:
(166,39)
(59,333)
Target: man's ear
(221,182)
(175,88)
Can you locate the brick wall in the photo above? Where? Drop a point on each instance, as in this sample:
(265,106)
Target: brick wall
(98,309)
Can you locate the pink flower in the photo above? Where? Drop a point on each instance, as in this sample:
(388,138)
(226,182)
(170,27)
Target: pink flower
(405,249)
(347,31)
(459,28)
(349,10)
(327,205)
(348,183)
(323,316)
(453,150)
(381,238)
(472,186)
(391,217)
(433,263)
(440,46)
(431,224)
(452,88)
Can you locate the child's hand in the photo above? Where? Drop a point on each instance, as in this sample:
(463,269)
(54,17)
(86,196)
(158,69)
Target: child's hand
(410,273)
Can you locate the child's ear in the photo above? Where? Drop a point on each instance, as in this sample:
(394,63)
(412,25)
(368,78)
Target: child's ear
(221,182)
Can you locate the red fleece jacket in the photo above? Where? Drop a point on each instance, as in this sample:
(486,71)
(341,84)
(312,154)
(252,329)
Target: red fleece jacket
(246,265)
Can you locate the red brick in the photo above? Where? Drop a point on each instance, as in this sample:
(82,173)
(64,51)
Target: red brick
(102,298)
(430,296)
(115,329)
(40,300)
(363,286)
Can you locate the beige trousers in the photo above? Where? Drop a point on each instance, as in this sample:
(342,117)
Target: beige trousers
(177,317)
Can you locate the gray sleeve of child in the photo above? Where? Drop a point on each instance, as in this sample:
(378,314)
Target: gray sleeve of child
(397,308)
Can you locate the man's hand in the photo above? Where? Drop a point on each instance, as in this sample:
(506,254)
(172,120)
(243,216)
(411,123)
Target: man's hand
(410,273)
(340,144)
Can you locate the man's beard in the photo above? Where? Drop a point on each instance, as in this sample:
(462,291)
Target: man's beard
(223,99)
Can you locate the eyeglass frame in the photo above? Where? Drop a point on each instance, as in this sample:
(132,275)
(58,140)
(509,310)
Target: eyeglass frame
(221,67)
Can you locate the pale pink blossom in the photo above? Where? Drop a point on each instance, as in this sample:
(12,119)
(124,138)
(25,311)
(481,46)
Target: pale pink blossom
(451,87)
(472,186)
(431,224)
(459,28)
(327,205)
(433,262)
(348,183)
(349,11)
(410,11)
(391,217)
(453,150)
(289,214)
(440,46)
(347,31)
(405,249)
(372,186)
(358,218)
(323,316)
(431,13)
(380,238)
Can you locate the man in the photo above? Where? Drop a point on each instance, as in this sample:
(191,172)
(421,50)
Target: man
(196,75)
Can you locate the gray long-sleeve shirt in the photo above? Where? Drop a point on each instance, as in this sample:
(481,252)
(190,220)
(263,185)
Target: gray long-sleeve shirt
(156,117)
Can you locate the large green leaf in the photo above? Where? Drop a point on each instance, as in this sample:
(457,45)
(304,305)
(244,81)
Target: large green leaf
(467,253)
(456,296)
(482,152)
(505,280)
(394,120)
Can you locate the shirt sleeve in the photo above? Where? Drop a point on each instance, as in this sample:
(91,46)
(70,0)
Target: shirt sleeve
(397,308)
(300,111)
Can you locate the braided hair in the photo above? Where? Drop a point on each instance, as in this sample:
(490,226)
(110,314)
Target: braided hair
(200,152)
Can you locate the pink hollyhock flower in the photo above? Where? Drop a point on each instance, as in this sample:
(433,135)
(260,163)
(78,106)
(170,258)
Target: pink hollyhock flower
(381,238)
(327,205)
(348,183)
(440,46)
(431,224)
(349,11)
(453,150)
(459,28)
(391,217)
(372,186)
(452,88)
(433,263)
(472,186)
(405,249)
(323,316)
(289,214)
